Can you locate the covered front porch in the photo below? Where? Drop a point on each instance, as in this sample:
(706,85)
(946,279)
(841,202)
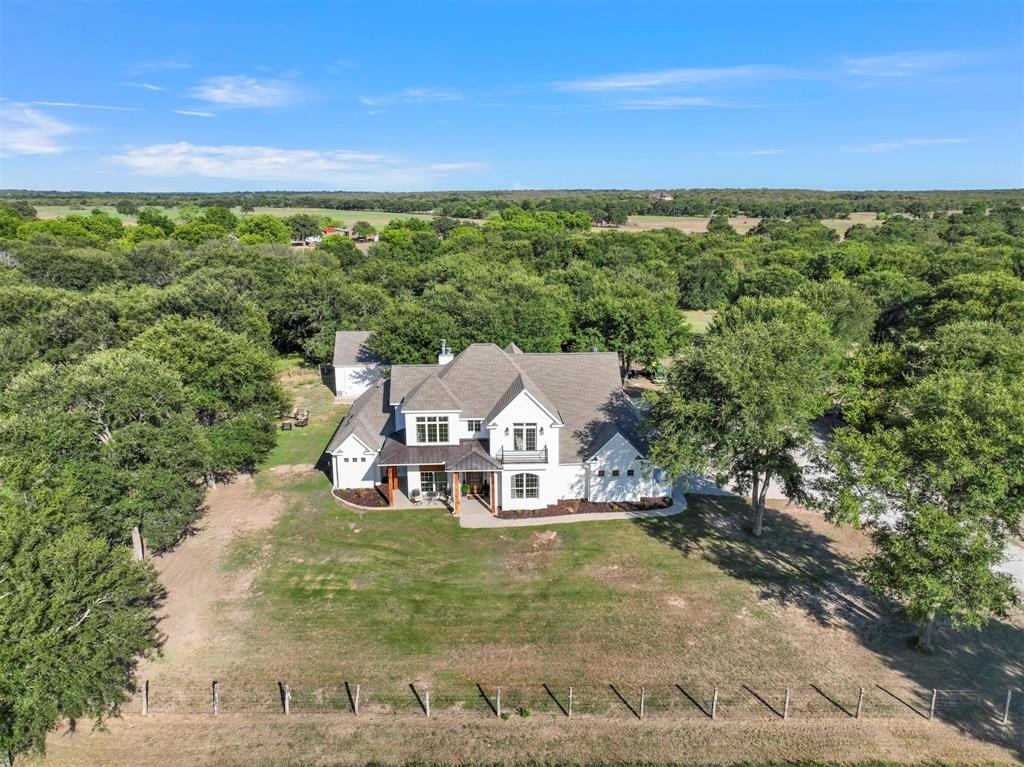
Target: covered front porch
(440,475)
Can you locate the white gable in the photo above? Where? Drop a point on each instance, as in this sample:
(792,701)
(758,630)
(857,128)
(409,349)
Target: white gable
(525,407)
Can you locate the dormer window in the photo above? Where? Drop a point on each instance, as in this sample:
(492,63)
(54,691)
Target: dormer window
(431,429)
(475,426)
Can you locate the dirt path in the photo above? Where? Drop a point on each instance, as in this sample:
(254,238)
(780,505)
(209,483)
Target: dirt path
(199,589)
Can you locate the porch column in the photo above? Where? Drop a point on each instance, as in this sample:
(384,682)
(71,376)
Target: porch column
(458,492)
(494,511)
(391,486)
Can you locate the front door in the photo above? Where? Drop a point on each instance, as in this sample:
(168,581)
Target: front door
(475,480)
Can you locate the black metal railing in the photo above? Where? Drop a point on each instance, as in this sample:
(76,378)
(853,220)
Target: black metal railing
(523,456)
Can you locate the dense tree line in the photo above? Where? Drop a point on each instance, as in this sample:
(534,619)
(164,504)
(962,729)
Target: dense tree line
(137,366)
(611,206)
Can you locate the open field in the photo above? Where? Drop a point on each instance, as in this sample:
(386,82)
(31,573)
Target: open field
(379,219)
(699,319)
(283,583)
(376,218)
(742,224)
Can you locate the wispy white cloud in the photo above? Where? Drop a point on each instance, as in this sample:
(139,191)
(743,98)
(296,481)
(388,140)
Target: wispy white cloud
(350,169)
(889,146)
(244,91)
(671,102)
(413,96)
(906,64)
(24,130)
(665,78)
(144,86)
(77,105)
(193,113)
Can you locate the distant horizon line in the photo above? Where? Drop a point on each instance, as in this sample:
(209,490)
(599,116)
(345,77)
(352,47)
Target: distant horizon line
(592,190)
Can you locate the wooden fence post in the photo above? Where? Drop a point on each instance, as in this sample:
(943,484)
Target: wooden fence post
(497,706)
(426,696)
(287,699)
(931,709)
(860,702)
(714,704)
(216,698)
(1006,708)
(355,702)
(641,702)
(145,698)
(785,706)
(569,712)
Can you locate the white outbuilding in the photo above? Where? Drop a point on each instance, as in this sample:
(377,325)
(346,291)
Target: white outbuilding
(356,367)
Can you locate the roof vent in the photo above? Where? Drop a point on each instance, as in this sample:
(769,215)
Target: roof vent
(446,355)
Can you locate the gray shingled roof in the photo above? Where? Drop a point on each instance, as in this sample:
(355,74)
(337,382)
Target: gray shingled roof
(350,348)
(370,419)
(405,378)
(583,389)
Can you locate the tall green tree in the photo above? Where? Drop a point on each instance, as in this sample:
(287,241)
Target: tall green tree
(111,441)
(75,615)
(939,484)
(738,405)
(230,381)
(263,229)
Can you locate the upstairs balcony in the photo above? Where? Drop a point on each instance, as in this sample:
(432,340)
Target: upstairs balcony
(523,456)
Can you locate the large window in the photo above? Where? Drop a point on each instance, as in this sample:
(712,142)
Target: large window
(524,436)
(431,428)
(433,481)
(525,486)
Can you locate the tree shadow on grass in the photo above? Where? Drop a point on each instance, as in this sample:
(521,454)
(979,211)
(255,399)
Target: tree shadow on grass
(795,565)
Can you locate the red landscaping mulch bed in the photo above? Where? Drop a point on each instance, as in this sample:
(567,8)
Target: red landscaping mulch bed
(580,506)
(374,497)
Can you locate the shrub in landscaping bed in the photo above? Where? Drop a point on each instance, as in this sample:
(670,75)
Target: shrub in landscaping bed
(581,506)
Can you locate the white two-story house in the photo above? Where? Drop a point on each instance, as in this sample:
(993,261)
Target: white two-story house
(511,429)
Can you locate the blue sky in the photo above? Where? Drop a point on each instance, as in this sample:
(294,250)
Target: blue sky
(229,95)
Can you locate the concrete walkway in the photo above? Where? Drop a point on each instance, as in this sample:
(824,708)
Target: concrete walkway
(473,514)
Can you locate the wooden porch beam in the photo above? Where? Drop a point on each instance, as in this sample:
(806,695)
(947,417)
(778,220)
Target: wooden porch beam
(391,486)
(458,491)
(494,511)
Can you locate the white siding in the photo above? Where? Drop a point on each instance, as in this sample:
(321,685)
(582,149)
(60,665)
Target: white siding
(352,380)
(360,470)
(523,409)
(455,427)
(620,456)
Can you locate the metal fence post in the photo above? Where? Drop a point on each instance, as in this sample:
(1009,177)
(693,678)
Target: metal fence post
(1006,708)
(860,702)
(569,712)
(785,706)
(497,706)
(642,702)
(714,704)
(145,698)
(216,698)
(426,695)
(931,709)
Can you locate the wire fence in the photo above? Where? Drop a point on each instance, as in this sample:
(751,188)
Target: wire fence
(676,701)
